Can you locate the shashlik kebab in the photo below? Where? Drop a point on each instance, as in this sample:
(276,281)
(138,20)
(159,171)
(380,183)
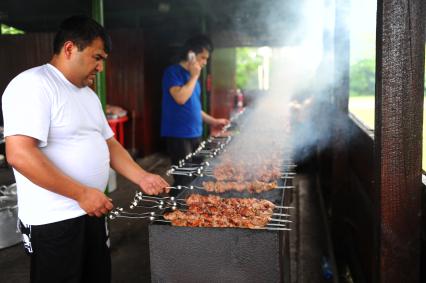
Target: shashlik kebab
(252,187)
(213,211)
(191,219)
(254,203)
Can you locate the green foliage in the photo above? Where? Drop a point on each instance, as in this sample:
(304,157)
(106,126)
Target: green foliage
(362,77)
(248,62)
(9,30)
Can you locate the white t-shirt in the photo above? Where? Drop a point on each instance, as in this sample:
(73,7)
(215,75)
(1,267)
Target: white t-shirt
(72,131)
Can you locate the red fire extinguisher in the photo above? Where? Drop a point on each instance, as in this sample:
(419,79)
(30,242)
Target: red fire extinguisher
(240,100)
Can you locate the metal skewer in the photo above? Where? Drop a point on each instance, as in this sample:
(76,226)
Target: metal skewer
(281,220)
(285,187)
(281,214)
(177,168)
(284,207)
(276,225)
(274,229)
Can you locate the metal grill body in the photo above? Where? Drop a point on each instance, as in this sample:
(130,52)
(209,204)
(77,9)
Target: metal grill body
(187,254)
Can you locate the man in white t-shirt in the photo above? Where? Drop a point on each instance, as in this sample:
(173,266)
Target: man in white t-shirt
(61,147)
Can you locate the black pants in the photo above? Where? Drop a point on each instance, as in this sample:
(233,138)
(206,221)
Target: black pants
(178,149)
(73,250)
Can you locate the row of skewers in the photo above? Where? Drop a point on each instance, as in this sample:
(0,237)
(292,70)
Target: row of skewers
(210,211)
(213,211)
(229,176)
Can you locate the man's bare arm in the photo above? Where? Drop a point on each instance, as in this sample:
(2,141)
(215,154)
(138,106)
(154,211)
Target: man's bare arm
(181,94)
(215,122)
(123,163)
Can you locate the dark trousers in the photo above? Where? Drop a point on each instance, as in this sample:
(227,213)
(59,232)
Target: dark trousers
(178,149)
(73,250)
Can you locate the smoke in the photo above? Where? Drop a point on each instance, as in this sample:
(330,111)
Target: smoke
(301,109)
(284,119)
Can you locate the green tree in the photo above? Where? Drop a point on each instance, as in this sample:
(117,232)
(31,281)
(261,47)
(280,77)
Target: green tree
(5,29)
(248,62)
(362,77)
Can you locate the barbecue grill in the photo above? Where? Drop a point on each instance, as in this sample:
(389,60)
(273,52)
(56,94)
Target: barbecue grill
(188,254)
(218,254)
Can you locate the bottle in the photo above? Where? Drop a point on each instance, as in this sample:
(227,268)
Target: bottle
(238,100)
(327,271)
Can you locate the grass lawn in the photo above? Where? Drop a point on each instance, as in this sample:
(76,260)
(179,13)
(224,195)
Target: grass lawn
(363,108)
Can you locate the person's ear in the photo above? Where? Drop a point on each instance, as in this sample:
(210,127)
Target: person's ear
(68,49)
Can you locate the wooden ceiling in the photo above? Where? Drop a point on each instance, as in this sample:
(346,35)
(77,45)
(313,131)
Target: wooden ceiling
(254,21)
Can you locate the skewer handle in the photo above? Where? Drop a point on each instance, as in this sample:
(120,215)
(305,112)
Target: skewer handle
(275,229)
(281,220)
(285,187)
(281,214)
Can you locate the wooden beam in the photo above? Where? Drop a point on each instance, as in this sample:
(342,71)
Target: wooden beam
(398,137)
(100,84)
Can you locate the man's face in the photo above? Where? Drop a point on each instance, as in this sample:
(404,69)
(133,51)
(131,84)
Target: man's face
(88,62)
(202,58)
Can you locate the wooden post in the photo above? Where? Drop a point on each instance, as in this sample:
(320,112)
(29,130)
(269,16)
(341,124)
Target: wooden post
(100,83)
(398,137)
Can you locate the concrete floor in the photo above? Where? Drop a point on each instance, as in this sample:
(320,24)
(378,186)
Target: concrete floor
(129,238)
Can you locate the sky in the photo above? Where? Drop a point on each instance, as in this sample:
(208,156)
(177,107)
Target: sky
(363,29)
